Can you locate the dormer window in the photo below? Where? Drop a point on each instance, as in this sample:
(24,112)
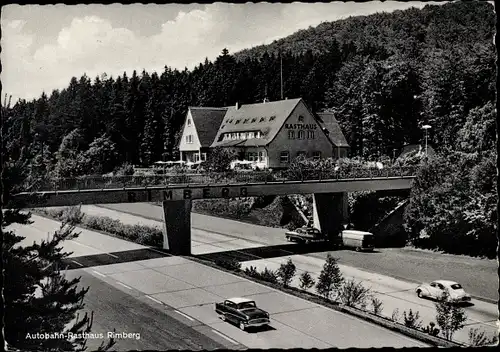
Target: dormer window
(237,122)
(221,127)
(254,119)
(262,119)
(301,118)
(272,118)
(245,120)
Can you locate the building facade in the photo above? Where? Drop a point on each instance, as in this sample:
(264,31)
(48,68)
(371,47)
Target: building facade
(273,134)
(199,130)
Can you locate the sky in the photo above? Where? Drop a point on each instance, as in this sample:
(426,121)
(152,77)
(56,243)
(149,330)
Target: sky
(43,47)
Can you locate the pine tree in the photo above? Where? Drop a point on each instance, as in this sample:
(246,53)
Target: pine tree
(330,279)
(38,299)
(286,272)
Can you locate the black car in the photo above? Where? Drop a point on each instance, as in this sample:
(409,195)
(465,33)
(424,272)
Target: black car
(242,311)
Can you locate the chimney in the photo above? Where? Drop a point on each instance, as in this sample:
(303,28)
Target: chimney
(237,106)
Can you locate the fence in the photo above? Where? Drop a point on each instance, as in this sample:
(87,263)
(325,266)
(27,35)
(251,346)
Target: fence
(108,182)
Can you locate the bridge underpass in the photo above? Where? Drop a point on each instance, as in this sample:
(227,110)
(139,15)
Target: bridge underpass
(330,207)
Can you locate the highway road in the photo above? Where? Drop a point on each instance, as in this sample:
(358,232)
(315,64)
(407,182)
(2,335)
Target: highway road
(170,301)
(266,247)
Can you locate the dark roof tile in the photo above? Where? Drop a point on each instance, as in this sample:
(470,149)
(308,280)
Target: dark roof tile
(207,121)
(274,114)
(330,125)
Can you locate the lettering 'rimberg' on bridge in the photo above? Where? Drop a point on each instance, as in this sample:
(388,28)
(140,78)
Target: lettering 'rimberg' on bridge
(167,194)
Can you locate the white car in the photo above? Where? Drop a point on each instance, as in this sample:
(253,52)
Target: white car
(436,290)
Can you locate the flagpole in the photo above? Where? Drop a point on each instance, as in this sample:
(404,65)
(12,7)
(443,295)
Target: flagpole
(281,73)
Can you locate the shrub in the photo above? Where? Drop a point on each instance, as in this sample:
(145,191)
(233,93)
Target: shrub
(431,329)
(478,338)
(449,317)
(411,319)
(286,272)
(269,276)
(377,305)
(395,315)
(230,264)
(306,281)
(252,272)
(330,278)
(354,294)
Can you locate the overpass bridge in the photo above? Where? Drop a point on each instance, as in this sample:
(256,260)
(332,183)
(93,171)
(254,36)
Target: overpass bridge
(176,191)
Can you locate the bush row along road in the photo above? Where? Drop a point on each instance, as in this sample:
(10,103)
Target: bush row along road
(170,302)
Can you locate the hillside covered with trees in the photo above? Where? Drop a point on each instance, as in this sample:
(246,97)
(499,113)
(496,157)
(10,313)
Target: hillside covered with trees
(383,75)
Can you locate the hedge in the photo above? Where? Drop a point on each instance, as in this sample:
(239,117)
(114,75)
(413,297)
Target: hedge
(146,235)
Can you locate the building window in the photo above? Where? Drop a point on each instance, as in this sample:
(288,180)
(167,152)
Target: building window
(262,119)
(272,118)
(301,153)
(310,134)
(301,134)
(233,135)
(230,121)
(257,134)
(284,157)
(254,119)
(196,158)
(291,134)
(261,156)
(221,127)
(245,120)
(204,156)
(250,156)
(301,118)
(189,138)
(237,122)
(316,155)
(189,122)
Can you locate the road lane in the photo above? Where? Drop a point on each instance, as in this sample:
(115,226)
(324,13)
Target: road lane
(478,276)
(174,285)
(116,309)
(394,293)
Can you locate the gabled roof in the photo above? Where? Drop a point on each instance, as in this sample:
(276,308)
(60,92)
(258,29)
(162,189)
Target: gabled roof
(264,117)
(207,121)
(331,127)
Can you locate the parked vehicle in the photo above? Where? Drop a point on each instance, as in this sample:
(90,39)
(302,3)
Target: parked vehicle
(360,240)
(437,289)
(305,234)
(243,312)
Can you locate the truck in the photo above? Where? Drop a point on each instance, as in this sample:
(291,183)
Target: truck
(360,240)
(242,312)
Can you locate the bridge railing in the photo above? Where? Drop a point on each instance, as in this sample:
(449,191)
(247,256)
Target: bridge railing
(108,182)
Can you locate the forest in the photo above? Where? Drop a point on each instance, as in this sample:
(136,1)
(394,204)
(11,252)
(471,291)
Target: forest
(383,75)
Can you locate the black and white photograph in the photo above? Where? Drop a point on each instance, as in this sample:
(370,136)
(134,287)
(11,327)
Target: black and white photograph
(259,175)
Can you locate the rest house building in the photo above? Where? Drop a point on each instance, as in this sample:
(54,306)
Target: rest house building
(268,134)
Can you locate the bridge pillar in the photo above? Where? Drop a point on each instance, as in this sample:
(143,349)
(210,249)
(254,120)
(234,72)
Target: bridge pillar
(177,226)
(330,211)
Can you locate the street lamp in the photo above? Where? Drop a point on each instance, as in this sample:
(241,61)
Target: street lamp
(426,127)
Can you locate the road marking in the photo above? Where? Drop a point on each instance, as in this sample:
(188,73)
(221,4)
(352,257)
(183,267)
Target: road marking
(112,255)
(74,261)
(98,273)
(157,251)
(225,337)
(119,283)
(184,315)
(84,245)
(154,299)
